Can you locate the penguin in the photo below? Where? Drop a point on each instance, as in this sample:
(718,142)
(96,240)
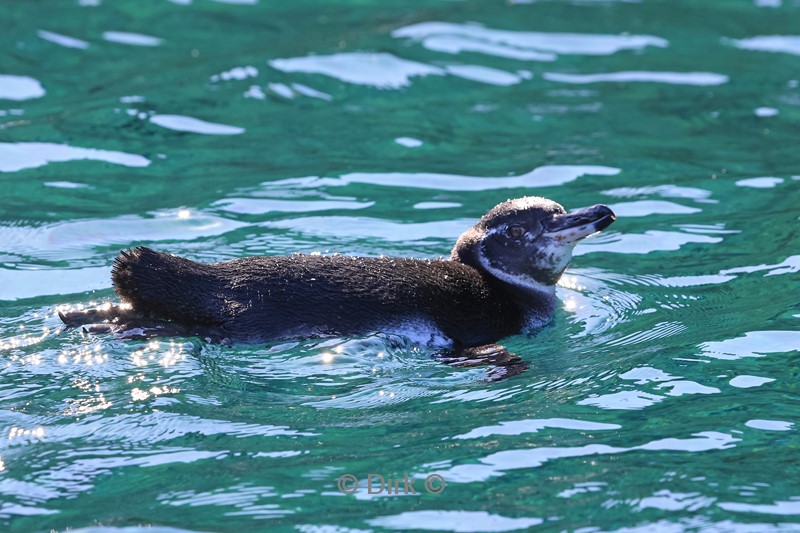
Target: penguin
(499,280)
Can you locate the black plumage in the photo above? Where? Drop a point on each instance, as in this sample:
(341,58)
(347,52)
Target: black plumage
(265,298)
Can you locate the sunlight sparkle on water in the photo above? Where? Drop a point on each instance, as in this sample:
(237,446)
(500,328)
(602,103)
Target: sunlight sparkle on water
(570,282)
(681,314)
(170,357)
(15,432)
(96,401)
(138,394)
(85,355)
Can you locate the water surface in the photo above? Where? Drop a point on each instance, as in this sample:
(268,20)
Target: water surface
(663,397)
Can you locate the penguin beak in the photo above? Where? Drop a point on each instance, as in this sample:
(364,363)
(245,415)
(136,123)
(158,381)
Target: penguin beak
(576,225)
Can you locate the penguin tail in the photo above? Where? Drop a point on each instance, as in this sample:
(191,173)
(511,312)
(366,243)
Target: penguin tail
(165,286)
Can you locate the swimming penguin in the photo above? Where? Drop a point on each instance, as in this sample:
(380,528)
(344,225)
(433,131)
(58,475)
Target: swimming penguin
(499,280)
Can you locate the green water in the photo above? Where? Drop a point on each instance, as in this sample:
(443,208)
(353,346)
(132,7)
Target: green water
(663,397)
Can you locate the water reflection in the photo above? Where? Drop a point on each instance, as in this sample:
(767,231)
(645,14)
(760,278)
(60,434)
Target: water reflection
(381,70)
(771,425)
(408,142)
(24,155)
(673,323)
(644,208)
(259,206)
(545,176)
(529,46)
(19,88)
(664,191)
(520,427)
(753,344)
(79,239)
(19,284)
(457,520)
(194,125)
(63,40)
(497,464)
(787,44)
(243,498)
(133,39)
(642,243)
(366,227)
(760,183)
(748,382)
(673,78)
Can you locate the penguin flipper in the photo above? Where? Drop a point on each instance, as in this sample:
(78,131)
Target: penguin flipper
(503,364)
(144,328)
(97,315)
(132,326)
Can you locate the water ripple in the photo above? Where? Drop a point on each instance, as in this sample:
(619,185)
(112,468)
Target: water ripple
(536,46)
(787,44)
(63,40)
(194,125)
(673,78)
(380,70)
(642,243)
(453,521)
(133,39)
(23,155)
(497,464)
(520,427)
(545,176)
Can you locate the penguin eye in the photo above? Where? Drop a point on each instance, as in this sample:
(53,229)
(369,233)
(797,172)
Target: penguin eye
(515,232)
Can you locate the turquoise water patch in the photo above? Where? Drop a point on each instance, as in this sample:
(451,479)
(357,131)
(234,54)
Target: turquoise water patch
(663,396)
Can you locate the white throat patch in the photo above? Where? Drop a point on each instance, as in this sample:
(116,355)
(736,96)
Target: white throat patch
(522,280)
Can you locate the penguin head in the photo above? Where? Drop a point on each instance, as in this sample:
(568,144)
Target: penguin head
(527,242)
